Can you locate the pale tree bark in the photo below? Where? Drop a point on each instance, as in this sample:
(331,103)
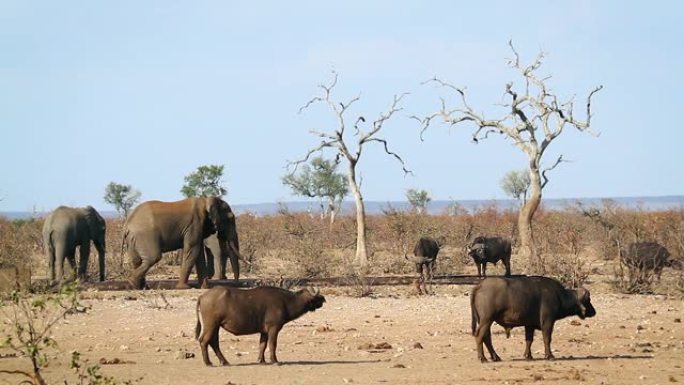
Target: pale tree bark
(534,118)
(337,141)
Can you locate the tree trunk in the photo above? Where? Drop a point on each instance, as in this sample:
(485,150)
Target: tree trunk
(332,208)
(527,211)
(361,254)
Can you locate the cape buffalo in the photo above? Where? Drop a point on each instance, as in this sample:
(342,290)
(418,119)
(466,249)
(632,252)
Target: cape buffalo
(645,257)
(533,302)
(490,249)
(262,310)
(424,256)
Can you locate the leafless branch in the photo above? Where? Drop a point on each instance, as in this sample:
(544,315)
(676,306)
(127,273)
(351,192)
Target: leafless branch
(543,173)
(387,151)
(295,164)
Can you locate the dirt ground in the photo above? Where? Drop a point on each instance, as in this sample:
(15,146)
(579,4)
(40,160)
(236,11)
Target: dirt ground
(632,340)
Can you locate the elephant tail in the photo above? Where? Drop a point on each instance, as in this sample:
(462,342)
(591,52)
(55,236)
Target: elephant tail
(198,325)
(124,240)
(47,243)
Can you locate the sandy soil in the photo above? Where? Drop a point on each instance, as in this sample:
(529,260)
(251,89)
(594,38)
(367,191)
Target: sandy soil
(632,340)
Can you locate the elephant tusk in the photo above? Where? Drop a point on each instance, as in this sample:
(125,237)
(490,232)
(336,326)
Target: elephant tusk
(240,257)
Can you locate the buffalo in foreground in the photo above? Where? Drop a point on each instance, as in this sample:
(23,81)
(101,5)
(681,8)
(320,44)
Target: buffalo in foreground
(262,310)
(424,256)
(533,302)
(490,249)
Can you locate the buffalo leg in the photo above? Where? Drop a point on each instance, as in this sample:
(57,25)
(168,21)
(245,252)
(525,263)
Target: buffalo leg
(479,269)
(273,343)
(482,330)
(263,339)
(423,278)
(207,334)
(507,265)
(484,269)
(488,343)
(214,343)
(547,330)
(529,337)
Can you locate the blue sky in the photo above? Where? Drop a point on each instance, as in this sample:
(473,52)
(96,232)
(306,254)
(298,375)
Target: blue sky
(144,92)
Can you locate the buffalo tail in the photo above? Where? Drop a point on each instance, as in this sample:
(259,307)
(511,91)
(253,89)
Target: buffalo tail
(475,319)
(198,325)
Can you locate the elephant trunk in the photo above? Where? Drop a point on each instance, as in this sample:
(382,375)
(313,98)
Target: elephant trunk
(234,254)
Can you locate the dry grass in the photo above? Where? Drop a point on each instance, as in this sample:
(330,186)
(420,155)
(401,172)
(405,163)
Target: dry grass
(573,243)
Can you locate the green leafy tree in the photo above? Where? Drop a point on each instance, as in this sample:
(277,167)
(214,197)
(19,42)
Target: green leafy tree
(206,181)
(320,179)
(515,184)
(122,196)
(418,199)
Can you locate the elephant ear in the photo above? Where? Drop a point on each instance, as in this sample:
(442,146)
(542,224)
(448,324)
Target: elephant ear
(95,220)
(213,208)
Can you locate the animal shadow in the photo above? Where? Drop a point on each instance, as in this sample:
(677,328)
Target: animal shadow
(332,362)
(591,357)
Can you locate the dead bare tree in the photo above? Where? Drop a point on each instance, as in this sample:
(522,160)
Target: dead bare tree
(336,140)
(534,119)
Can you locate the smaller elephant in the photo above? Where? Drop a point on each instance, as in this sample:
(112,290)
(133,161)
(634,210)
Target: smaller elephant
(67,228)
(217,256)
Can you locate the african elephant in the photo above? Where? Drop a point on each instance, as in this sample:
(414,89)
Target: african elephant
(67,228)
(155,227)
(216,257)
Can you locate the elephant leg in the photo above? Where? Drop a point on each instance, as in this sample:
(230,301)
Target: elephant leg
(220,260)
(210,262)
(137,278)
(50,261)
(191,254)
(68,253)
(71,258)
(234,265)
(83,255)
(220,254)
(201,269)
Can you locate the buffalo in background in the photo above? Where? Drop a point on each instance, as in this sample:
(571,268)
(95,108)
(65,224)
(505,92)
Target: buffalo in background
(490,249)
(424,256)
(644,258)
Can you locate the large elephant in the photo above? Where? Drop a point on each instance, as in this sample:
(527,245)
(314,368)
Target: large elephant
(217,256)
(67,228)
(156,227)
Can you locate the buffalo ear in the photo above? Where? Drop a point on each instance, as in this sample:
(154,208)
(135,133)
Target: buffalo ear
(582,295)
